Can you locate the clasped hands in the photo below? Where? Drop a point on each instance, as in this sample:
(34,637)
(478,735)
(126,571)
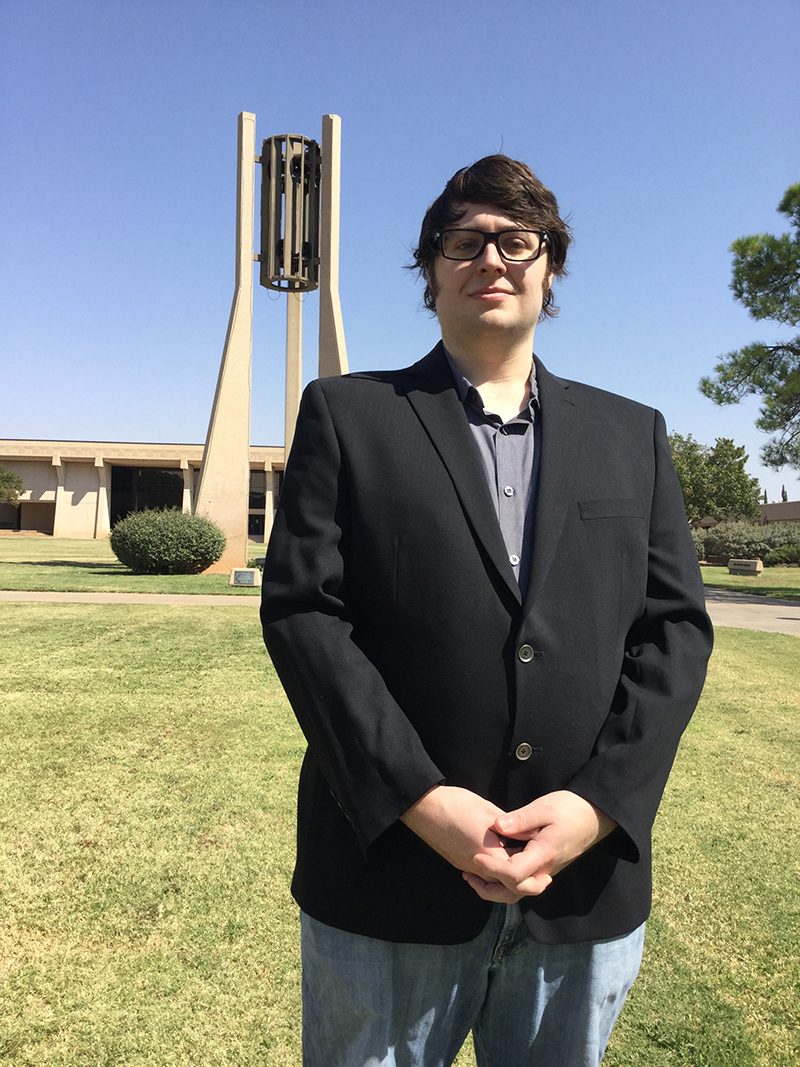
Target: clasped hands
(507,855)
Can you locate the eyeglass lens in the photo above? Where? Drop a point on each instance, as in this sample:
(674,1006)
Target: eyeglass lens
(519,245)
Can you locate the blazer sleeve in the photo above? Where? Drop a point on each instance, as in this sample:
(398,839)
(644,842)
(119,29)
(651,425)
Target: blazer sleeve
(370,754)
(662,675)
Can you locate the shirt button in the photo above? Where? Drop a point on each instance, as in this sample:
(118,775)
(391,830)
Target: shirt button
(523,751)
(514,560)
(525,653)
(508,490)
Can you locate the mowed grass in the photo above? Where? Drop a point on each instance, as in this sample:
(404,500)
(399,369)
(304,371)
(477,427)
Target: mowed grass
(721,975)
(780,582)
(147,770)
(64,565)
(148,763)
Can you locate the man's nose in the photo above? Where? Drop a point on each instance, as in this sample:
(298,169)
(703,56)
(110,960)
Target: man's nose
(490,258)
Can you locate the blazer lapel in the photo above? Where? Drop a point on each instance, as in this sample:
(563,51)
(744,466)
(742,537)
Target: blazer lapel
(559,455)
(433,396)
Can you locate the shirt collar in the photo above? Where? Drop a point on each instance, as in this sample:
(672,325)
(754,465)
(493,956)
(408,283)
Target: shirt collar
(468,394)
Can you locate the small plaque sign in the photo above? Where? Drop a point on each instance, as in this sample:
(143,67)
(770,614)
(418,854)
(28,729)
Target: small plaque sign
(245,576)
(751,567)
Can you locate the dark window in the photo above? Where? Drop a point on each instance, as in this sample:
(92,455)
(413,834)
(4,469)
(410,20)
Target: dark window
(255,525)
(10,517)
(138,488)
(258,490)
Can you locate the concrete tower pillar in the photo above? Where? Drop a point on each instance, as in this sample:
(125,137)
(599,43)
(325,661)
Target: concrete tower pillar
(224,488)
(332,351)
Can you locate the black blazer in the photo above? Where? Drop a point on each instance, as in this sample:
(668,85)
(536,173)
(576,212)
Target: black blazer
(411,657)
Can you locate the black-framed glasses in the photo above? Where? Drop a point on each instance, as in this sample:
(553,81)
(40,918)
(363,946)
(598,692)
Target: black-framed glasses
(515,246)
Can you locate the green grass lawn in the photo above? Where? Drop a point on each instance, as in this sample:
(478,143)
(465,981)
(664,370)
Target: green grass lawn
(63,565)
(780,582)
(148,762)
(67,566)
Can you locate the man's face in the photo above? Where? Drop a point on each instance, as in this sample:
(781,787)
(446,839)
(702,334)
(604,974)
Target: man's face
(488,293)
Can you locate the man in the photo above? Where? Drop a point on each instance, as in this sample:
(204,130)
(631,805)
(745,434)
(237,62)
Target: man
(483,601)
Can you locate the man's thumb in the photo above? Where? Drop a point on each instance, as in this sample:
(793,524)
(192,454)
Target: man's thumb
(512,822)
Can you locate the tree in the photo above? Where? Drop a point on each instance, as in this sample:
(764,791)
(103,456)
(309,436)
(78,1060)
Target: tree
(766,280)
(713,480)
(10,487)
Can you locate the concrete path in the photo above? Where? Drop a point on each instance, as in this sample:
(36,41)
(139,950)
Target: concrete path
(185,599)
(744,611)
(740,610)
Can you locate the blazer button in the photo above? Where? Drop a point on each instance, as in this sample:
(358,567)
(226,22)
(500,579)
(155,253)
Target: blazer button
(523,751)
(525,653)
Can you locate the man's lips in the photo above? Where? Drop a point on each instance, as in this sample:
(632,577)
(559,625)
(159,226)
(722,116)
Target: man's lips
(490,293)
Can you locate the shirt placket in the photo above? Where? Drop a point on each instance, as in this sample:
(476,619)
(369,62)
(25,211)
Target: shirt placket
(510,498)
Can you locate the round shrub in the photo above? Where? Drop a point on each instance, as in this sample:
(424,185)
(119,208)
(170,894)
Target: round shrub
(785,556)
(167,541)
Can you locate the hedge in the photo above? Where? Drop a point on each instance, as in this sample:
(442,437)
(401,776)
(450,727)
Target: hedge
(166,541)
(744,540)
(785,556)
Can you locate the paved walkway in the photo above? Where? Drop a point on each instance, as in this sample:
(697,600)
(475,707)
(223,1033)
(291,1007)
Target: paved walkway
(744,611)
(186,599)
(740,610)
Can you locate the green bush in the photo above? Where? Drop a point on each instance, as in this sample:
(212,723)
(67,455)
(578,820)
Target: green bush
(785,556)
(167,541)
(699,538)
(747,540)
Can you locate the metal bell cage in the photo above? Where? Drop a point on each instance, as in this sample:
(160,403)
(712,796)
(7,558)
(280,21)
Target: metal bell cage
(290,210)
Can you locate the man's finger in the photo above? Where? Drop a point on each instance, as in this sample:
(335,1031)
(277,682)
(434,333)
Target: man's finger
(504,894)
(532,887)
(494,891)
(526,873)
(512,867)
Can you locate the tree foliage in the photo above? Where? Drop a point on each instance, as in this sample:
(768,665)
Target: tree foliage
(713,480)
(10,487)
(766,280)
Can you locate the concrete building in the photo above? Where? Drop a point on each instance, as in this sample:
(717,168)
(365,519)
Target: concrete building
(81,488)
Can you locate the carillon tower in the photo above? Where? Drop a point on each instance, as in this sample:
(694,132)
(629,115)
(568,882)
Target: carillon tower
(299,253)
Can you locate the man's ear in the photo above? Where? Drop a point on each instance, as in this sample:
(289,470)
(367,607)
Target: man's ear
(431,282)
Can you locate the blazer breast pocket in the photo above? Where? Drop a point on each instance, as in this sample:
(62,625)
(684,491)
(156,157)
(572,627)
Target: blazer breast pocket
(611,508)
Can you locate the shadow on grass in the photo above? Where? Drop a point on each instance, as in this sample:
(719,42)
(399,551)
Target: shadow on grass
(773,592)
(115,569)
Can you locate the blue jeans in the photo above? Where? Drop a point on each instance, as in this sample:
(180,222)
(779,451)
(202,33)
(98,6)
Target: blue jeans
(371,1003)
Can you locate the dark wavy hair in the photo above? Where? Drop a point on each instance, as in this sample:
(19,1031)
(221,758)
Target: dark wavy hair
(510,187)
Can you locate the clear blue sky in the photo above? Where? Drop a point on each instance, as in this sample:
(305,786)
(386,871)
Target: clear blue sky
(666,130)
